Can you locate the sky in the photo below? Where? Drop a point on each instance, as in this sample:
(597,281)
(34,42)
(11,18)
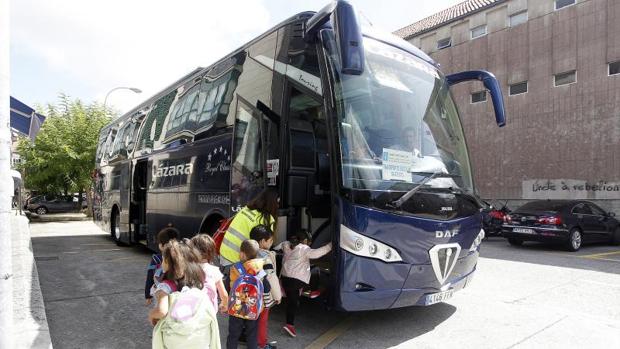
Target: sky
(86,48)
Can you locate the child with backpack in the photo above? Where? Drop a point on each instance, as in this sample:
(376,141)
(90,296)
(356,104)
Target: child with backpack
(246,295)
(296,272)
(183,316)
(264,236)
(154,271)
(213,284)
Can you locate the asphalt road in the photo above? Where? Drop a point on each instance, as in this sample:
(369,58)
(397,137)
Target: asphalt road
(525,297)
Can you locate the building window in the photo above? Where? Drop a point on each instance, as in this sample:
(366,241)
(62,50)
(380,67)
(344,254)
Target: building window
(478,97)
(444,43)
(566,78)
(479,31)
(563,3)
(518,18)
(614,68)
(519,88)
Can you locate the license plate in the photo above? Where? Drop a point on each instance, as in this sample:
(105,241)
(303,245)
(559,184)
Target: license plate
(438,297)
(523,230)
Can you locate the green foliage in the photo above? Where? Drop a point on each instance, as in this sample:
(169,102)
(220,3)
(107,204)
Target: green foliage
(63,154)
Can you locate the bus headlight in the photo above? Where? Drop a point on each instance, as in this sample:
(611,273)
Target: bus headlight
(477,241)
(364,246)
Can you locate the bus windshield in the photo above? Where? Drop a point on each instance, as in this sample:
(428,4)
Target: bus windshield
(398,125)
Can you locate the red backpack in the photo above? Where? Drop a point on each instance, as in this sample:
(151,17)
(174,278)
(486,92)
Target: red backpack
(218,237)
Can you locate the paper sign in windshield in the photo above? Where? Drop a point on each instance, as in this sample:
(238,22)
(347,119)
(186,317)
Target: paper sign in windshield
(397,165)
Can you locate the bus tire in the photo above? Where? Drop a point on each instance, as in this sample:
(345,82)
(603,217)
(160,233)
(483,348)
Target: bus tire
(210,225)
(115,226)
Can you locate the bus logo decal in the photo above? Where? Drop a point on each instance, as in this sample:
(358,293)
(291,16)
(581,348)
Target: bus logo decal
(443,259)
(447,233)
(174,170)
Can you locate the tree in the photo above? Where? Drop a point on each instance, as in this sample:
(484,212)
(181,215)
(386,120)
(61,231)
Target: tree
(62,157)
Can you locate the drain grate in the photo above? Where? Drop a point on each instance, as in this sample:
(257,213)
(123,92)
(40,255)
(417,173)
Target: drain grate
(45,258)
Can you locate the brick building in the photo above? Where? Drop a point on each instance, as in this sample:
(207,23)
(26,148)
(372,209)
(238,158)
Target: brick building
(558,62)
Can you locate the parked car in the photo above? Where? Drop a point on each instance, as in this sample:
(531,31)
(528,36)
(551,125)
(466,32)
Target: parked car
(493,217)
(42,204)
(569,222)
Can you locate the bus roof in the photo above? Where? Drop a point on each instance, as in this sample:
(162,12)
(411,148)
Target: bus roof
(368,31)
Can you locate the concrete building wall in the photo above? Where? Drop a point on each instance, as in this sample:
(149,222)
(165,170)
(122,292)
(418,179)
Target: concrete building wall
(560,142)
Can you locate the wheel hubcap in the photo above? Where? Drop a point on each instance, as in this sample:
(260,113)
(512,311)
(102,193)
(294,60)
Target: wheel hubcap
(41,211)
(576,240)
(117,229)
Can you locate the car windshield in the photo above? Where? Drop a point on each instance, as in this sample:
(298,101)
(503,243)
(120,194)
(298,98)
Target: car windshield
(398,124)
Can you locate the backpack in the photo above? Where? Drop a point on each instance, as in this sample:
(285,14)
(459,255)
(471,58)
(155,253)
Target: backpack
(246,294)
(190,323)
(218,237)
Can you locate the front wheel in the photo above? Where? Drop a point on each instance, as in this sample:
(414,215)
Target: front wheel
(515,242)
(615,237)
(115,227)
(574,240)
(41,211)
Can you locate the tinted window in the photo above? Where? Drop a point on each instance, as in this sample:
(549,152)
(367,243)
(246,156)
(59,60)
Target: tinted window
(247,146)
(614,68)
(563,3)
(543,206)
(444,43)
(565,78)
(596,210)
(478,97)
(518,89)
(154,122)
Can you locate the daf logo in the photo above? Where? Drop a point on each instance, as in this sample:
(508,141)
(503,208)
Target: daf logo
(447,233)
(443,260)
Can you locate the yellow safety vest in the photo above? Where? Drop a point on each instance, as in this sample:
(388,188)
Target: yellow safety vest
(239,231)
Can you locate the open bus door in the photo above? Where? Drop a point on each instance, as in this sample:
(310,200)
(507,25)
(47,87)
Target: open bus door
(138,201)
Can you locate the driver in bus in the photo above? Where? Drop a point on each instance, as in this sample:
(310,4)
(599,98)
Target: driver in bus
(411,142)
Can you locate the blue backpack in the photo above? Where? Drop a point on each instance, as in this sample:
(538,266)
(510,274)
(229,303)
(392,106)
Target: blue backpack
(246,294)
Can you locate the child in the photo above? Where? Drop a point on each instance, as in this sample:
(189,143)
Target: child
(213,285)
(245,300)
(296,272)
(182,319)
(264,236)
(154,270)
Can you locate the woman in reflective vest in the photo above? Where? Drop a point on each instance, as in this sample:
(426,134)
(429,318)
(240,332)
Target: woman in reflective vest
(261,210)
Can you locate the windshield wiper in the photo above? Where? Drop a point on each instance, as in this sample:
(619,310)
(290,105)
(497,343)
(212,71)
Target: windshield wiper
(428,177)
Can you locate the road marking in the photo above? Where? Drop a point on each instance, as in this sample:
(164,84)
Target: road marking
(537,332)
(326,338)
(596,255)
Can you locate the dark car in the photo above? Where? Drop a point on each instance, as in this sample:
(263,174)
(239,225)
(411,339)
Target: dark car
(569,222)
(43,204)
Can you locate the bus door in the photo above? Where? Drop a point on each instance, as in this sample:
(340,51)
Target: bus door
(307,192)
(255,142)
(138,201)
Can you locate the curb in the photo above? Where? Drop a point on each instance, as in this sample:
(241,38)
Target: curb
(35,218)
(30,328)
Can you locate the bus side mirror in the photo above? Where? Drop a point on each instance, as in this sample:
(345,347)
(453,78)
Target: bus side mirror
(490,83)
(347,32)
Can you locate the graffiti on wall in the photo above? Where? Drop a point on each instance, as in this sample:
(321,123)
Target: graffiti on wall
(570,189)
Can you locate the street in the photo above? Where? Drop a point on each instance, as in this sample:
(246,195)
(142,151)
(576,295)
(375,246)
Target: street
(521,297)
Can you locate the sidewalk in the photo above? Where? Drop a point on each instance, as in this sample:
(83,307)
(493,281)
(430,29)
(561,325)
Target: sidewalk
(30,323)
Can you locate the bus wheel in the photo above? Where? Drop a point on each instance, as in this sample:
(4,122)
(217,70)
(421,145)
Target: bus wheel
(115,227)
(210,225)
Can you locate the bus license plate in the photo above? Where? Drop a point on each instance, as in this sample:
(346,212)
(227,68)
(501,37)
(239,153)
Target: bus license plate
(438,297)
(523,230)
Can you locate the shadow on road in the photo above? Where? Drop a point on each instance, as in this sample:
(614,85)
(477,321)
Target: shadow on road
(595,257)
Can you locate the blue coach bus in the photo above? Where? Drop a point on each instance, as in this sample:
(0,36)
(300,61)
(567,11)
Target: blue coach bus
(356,129)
